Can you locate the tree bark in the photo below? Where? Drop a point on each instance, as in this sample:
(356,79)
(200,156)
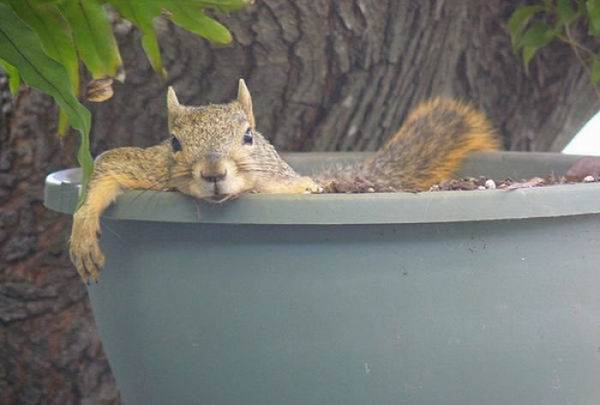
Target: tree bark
(324,74)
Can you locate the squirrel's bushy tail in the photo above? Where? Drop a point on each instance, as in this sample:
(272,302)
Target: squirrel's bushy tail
(429,148)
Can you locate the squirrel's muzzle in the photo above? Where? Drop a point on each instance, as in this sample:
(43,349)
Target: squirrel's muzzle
(219,178)
(212,169)
(214,177)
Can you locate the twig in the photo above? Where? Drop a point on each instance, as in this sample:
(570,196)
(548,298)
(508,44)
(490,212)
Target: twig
(573,43)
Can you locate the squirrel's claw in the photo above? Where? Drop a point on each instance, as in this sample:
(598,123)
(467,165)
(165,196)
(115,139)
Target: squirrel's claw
(94,262)
(78,263)
(87,259)
(88,264)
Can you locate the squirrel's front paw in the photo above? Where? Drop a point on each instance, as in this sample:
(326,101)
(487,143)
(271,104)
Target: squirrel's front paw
(87,258)
(84,248)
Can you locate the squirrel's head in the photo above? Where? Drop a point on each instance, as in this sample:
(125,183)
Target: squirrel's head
(214,147)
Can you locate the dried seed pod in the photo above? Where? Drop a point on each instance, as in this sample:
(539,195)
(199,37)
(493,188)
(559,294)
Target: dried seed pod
(100,89)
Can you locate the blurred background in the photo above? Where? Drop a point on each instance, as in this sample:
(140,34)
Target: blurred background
(324,75)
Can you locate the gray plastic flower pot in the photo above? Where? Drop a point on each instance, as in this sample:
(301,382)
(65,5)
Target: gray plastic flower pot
(474,297)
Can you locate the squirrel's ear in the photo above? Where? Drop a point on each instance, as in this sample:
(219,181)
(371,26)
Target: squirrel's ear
(172,102)
(245,101)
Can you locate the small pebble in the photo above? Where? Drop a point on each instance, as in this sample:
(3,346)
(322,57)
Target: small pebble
(435,187)
(481,188)
(370,190)
(589,179)
(490,184)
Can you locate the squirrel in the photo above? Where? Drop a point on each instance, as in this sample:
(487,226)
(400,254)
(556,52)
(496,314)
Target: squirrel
(215,153)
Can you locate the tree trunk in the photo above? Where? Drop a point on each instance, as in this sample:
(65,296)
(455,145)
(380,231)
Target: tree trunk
(325,75)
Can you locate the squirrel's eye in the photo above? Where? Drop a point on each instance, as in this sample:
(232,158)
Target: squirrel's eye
(175,144)
(248,138)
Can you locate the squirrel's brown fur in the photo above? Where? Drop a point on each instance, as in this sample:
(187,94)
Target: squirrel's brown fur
(429,148)
(215,153)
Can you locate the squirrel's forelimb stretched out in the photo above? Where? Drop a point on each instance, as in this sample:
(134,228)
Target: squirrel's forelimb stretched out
(214,153)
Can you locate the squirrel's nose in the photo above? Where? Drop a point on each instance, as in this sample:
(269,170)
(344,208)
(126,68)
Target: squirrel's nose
(214,177)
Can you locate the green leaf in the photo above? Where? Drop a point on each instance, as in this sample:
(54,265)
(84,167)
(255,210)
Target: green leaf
(518,21)
(14,79)
(63,123)
(538,35)
(593,9)
(193,19)
(53,30)
(596,70)
(185,13)
(528,54)
(21,47)
(93,36)
(565,11)
(152,50)
(143,18)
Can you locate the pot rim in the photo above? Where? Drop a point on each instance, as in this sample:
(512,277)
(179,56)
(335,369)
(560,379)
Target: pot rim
(62,189)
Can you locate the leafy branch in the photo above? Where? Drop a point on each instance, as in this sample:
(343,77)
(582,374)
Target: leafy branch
(42,42)
(536,25)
